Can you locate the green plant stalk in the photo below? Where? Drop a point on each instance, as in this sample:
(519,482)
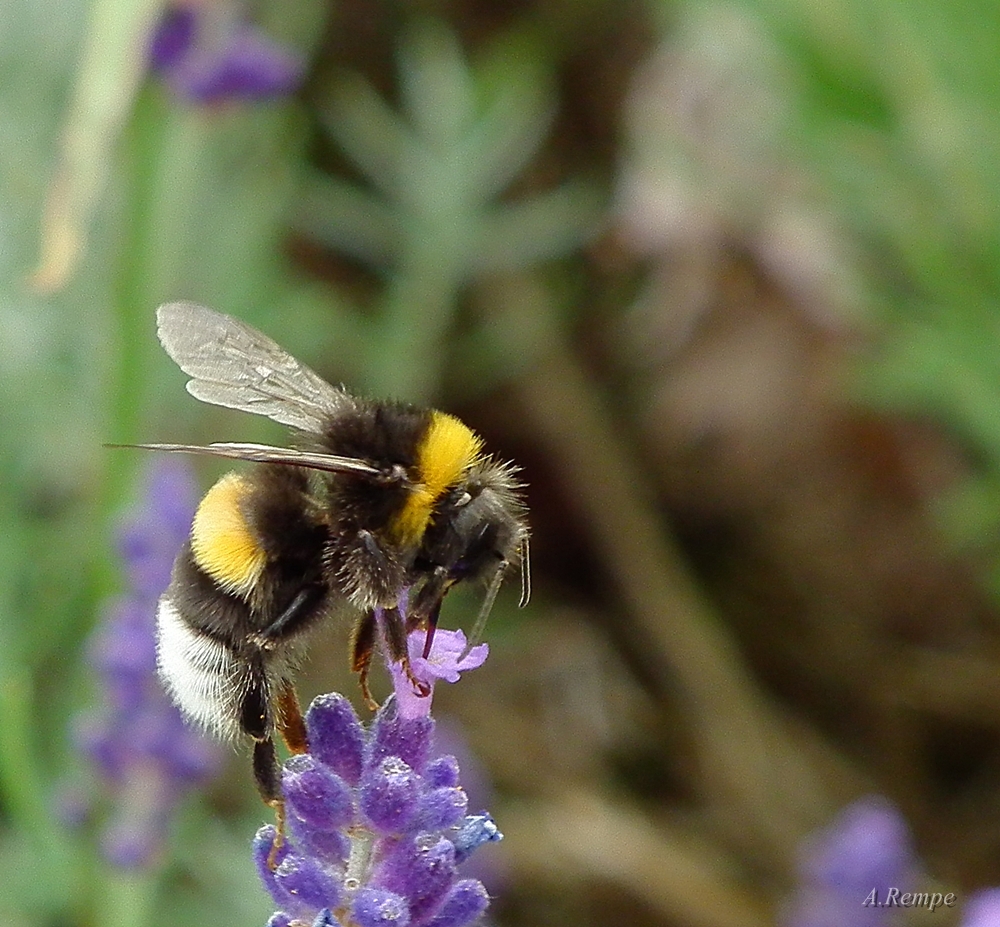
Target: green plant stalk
(753,770)
(128,899)
(24,788)
(423,293)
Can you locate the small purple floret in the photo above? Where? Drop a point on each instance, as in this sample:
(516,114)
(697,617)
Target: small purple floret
(443,808)
(376,907)
(982,909)
(336,737)
(390,793)
(442,772)
(316,795)
(445,661)
(394,734)
(868,847)
(173,37)
(308,882)
(466,901)
(422,870)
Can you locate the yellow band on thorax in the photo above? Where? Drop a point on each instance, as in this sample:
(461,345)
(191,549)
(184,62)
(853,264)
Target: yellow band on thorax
(445,453)
(221,541)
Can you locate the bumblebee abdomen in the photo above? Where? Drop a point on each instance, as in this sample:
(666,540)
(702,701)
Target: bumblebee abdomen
(200,673)
(222,542)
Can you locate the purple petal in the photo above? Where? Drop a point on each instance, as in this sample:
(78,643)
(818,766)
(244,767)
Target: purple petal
(172,38)
(227,59)
(330,847)
(443,662)
(867,846)
(422,871)
(442,809)
(982,909)
(263,842)
(442,772)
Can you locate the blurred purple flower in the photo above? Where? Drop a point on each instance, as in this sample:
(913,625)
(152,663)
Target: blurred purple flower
(868,847)
(982,909)
(136,739)
(377,826)
(206,52)
(849,869)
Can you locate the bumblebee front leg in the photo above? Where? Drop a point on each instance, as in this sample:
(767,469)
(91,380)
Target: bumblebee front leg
(362,646)
(394,634)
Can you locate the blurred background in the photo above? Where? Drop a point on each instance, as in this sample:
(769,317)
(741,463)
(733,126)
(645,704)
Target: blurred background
(723,278)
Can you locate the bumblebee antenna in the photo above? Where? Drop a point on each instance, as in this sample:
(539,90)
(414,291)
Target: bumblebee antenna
(476,635)
(525,572)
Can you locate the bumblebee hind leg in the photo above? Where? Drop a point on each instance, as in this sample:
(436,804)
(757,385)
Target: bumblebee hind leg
(256,721)
(290,721)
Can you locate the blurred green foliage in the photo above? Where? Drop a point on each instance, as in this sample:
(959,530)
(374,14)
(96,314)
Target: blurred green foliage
(893,117)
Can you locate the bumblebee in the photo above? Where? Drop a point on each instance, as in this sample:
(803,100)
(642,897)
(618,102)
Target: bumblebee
(384,506)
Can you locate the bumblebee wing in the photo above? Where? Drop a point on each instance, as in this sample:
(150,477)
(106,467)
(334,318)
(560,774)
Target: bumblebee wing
(265,453)
(232,364)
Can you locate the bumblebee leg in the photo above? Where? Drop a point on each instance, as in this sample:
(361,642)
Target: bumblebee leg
(394,634)
(300,610)
(290,721)
(432,623)
(362,645)
(267,775)
(255,719)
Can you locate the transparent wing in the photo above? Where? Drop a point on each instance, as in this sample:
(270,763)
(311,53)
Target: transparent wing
(232,364)
(266,453)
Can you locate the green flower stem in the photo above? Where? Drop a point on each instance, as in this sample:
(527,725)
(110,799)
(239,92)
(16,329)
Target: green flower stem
(128,899)
(112,65)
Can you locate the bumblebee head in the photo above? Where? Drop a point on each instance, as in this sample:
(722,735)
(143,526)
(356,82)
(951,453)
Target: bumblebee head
(478,531)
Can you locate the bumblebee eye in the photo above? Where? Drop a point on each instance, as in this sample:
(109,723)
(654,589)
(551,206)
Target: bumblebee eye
(463,499)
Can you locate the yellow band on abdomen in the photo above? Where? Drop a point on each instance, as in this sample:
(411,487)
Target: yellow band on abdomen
(221,541)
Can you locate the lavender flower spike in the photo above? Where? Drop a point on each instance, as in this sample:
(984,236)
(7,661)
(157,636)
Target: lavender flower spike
(137,741)
(377,827)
